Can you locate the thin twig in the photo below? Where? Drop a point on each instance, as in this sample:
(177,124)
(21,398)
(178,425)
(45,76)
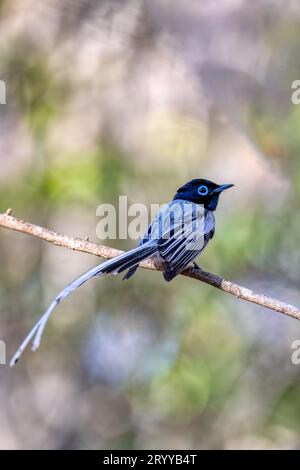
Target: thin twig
(78,244)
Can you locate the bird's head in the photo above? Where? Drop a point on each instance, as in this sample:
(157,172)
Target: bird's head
(201,191)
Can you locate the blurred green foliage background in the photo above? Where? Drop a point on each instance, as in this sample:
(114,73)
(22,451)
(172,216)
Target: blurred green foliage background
(109,98)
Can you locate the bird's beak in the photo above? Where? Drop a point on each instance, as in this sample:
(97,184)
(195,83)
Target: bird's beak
(222,187)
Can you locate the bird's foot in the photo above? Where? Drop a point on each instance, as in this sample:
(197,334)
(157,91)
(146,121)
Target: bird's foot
(196,266)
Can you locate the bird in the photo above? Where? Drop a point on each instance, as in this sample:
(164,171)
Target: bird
(177,235)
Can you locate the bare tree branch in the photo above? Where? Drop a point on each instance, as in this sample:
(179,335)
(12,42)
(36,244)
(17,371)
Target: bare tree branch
(85,246)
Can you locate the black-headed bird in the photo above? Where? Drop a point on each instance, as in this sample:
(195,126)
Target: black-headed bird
(177,235)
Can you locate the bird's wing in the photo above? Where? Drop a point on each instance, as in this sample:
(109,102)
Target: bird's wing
(185,236)
(159,228)
(181,230)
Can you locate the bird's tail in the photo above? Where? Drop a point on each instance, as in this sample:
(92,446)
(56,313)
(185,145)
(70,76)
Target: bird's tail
(114,266)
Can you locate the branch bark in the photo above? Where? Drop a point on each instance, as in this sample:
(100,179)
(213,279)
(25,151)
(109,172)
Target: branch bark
(85,246)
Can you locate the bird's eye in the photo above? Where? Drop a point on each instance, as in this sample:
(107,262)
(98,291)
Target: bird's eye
(203,190)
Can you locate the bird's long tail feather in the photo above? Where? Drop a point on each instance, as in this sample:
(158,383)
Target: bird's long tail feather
(114,266)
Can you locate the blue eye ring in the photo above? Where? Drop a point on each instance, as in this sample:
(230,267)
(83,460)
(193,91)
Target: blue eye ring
(203,190)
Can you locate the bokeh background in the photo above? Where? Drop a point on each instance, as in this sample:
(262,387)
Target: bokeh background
(125,97)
